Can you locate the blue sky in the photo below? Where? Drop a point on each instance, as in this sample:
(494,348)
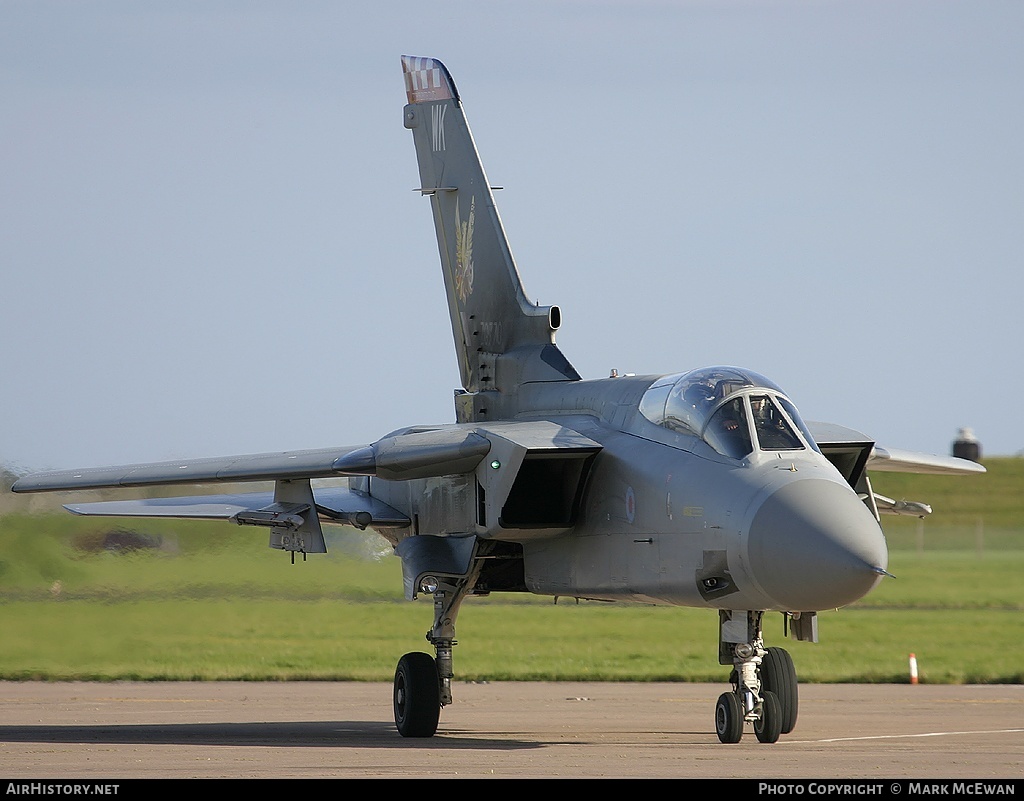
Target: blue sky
(210,244)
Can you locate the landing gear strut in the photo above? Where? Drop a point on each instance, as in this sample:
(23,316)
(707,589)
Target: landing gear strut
(764,682)
(423,684)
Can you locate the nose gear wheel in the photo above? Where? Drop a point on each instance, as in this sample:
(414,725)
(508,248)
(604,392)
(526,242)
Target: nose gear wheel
(764,685)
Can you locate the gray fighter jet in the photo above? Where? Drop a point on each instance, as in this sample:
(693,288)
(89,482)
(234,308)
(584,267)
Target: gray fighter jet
(703,488)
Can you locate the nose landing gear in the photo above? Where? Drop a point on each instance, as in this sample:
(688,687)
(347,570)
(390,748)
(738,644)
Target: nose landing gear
(764,682)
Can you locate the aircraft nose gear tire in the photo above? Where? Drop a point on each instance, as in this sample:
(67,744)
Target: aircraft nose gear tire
(417,695)
(729,718)
(778,675)
(768,726)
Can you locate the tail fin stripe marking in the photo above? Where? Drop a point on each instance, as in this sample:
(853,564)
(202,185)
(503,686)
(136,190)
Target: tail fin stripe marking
(437,126)
(425,80)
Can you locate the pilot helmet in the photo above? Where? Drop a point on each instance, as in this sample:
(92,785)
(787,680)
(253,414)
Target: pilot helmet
(699,394)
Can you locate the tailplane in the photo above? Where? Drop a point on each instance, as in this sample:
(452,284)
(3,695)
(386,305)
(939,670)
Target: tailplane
(502,339)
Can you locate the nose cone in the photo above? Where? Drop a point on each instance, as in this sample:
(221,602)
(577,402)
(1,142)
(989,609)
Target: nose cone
(814,545)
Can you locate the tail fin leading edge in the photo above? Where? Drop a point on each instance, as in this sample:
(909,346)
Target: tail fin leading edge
(502,339)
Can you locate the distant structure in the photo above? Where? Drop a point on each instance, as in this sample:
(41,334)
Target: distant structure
(966,445)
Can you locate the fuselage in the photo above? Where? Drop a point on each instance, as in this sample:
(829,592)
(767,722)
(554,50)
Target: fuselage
(667,518)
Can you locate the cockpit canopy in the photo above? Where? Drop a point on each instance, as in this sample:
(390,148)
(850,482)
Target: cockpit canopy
(729,408)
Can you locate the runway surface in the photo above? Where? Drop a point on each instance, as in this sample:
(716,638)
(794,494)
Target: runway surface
(501,730)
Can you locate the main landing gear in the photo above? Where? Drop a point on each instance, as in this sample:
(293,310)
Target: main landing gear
(423,684)
(764,682)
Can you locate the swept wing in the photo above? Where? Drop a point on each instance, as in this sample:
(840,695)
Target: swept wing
(895,460)
(317,463)
(855,455)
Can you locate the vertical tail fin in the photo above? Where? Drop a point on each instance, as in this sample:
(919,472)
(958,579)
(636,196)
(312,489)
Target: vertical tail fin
(501,338)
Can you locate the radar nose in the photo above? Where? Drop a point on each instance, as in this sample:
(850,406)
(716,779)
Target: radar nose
(814,545)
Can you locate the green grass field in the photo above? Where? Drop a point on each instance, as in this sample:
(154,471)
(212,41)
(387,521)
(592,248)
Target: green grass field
(212,601)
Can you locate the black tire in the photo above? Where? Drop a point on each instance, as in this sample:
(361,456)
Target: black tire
(778,675)
(768,727)
(417,695)
(729,718)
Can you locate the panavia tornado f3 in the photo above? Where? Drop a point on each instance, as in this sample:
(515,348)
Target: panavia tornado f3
(703,488)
